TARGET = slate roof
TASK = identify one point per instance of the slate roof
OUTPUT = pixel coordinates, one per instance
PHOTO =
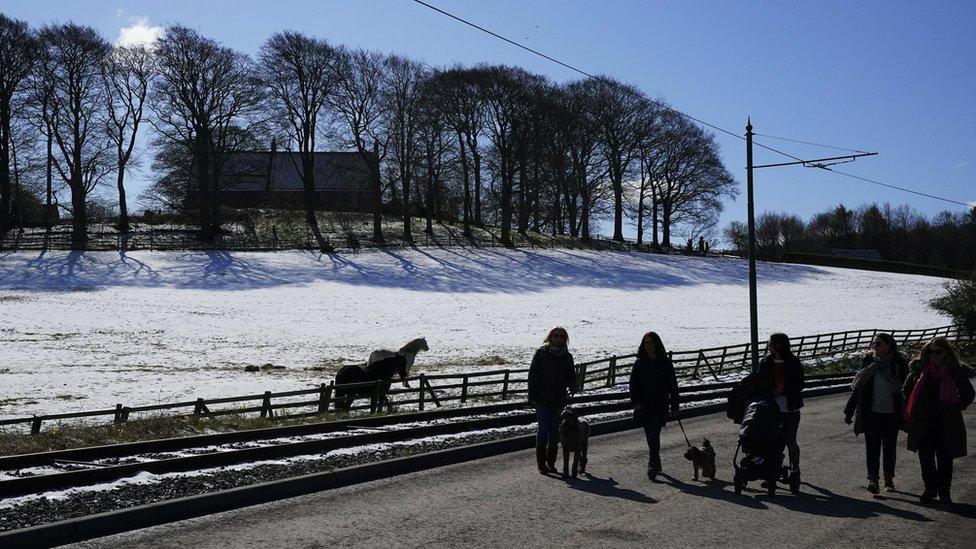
(334, 171)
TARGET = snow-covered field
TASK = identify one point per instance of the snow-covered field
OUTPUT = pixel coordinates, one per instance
(88, 330)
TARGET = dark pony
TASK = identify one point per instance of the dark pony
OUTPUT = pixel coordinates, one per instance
(381, 370)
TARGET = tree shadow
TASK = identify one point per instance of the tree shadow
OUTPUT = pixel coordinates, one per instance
(455, 270)
(715, 489)
(826, 503)
(606, 487)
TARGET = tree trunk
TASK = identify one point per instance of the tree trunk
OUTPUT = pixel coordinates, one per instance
(204, 198)
(654, 221)
(666, 227)
(467, 186)
(405, 181)
(618, 206)
(506, 203)
(640, 218)
(123, 226)
(523, 206)
(5, 141)
(374, 174)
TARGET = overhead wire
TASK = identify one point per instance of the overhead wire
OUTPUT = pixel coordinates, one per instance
(686, 115)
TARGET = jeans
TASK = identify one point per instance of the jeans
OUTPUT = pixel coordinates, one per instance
(880, 436)
(791, 421)
(548, 417)
(934, 457)
(652, 431)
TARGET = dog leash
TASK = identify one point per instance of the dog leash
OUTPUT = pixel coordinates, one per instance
(688, 442)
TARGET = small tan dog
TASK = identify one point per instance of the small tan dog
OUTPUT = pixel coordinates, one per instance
(702, 459)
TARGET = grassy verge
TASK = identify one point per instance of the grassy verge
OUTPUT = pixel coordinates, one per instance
(852, 361)
(63, 436)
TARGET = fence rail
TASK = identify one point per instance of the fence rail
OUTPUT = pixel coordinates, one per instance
(439, 389)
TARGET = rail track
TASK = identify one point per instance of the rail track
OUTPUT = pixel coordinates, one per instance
(66, 469)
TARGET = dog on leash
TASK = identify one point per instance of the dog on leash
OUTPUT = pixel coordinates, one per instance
(702, 458)
(574, 435)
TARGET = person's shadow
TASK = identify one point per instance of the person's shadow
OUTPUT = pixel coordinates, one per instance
(826, 503)
(715, 489)
(606, 487)
(964, 510)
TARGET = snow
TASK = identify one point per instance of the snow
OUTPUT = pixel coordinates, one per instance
(84, 331)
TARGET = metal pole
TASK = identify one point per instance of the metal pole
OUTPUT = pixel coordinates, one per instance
(753, 307)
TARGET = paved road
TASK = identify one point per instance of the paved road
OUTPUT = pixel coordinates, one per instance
(503, 502)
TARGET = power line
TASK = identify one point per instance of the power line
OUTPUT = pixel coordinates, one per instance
(594, 77)
(848, 149)
(686, 115)
(919, 193)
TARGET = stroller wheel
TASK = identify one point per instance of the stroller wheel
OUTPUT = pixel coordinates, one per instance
(771, 489)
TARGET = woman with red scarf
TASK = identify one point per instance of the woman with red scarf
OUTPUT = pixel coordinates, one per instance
(937, 390)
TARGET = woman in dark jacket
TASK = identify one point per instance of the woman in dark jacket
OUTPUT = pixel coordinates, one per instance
(654, 393)
(552, 376)
(936, 392)
(876, 407)
(782, 375)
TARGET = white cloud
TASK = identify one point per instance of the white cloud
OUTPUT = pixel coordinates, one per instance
(961, 165)
(139, 33)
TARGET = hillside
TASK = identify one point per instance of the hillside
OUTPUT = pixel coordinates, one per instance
(87, 330)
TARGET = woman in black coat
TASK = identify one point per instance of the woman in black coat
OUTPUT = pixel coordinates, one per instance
(876, 407)
(936, 392)
(552, 376)
(654, 393)
(782, 374)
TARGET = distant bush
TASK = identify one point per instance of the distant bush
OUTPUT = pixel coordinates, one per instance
(959, 301)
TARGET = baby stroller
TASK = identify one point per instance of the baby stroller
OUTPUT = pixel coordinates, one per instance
(762, 439)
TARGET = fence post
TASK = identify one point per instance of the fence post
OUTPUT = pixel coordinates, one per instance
(118, 413)
(325, 394)
(36, 426)
(505, 386)
(266, 410)
(464, 389)
(582, 378)
(200, 408)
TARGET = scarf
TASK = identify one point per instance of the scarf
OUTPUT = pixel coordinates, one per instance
(877, 367)
(560, 351)
(940, 375)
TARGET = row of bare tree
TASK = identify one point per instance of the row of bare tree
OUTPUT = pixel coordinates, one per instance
(898, 233)
(483, 144)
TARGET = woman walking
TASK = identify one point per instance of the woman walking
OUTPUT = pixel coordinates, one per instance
(653, 391)
(552, 376)
(782, 374)
(876, 407)
(936, 391)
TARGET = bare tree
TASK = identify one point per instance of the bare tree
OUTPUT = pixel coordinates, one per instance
(73, 64)
(621, 112)
(402, 95)
(205, 98)
(301, 73)
(693, 178)
(358, 101)
(127, 73)
(18, 53)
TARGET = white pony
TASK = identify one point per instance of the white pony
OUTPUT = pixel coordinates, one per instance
(408, 351)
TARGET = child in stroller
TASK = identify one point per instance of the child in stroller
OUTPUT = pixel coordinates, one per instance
(762, 438)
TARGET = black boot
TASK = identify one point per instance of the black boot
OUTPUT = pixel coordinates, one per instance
(540, 458)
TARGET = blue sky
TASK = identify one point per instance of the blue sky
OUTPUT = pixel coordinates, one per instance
(893, 77)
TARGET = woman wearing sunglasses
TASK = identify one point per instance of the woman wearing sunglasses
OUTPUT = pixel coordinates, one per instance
(936, 392)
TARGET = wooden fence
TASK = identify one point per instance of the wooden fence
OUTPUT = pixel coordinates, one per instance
(438, 389)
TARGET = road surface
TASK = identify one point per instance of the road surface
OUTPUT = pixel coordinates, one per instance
(503, 502)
